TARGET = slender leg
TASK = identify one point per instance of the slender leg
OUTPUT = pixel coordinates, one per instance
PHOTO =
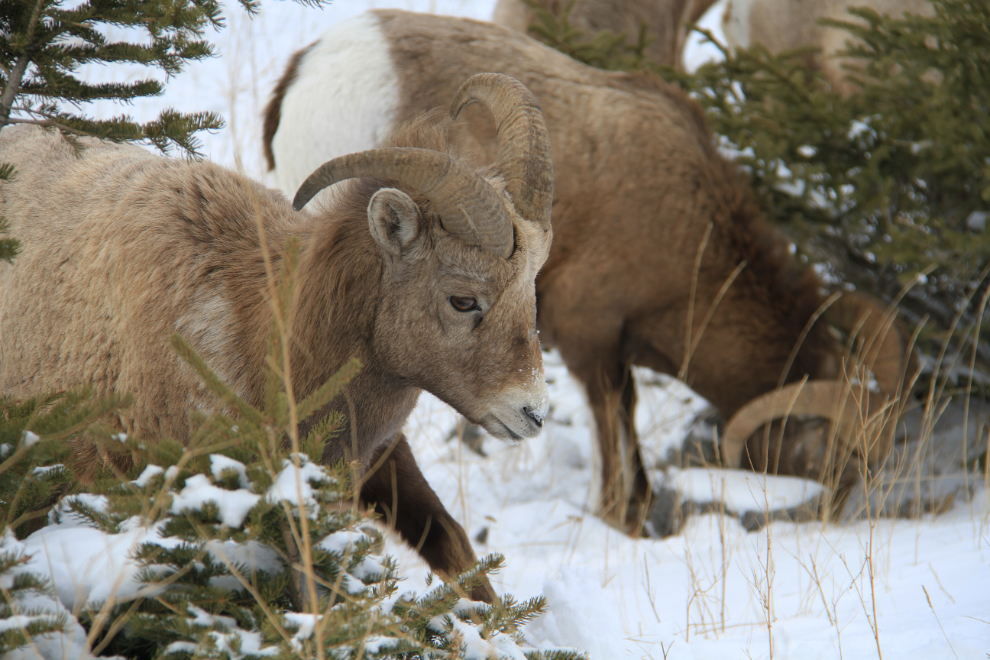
(406, 503)
(625, 489)
(637, 484)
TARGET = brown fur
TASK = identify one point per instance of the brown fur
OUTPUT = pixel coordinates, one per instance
(783, 25)
(665, 20)
(637, 185)
(122, 248)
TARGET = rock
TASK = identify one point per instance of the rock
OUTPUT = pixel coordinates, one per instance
(753, 499)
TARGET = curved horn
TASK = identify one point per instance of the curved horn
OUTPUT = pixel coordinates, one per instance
(468, 206)
(817, 397)
(885, 351)
(858, 418)
(523, 141)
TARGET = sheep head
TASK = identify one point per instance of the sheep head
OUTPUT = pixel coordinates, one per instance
(460, 252)
(863, 404)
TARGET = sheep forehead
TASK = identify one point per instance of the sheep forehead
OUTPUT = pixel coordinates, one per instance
(463, 262)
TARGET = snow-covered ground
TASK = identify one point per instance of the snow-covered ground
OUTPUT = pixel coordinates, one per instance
(713, 591)
(895, 589)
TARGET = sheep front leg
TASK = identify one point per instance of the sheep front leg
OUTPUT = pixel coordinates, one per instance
(626, 492)
(407, 504)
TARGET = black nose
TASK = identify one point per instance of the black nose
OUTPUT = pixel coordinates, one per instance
(535, 416)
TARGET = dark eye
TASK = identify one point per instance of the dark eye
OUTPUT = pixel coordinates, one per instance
(464, 304)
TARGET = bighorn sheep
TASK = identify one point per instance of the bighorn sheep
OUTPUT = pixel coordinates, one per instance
(423, 269)
(665, 20)
(660, 257)
(783, 25)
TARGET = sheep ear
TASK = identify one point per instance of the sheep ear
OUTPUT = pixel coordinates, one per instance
(394, 219)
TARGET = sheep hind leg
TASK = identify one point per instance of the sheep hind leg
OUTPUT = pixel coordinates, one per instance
(638, 490)
(407, 504)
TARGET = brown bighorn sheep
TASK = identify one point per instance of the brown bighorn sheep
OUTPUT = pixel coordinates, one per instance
(423, 269)
(660, 258)
(783, 25)
(665, 20)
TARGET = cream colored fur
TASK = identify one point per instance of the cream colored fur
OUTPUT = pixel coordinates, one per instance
(783, 25)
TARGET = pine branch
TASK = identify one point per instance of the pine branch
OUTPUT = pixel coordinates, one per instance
(43, 47)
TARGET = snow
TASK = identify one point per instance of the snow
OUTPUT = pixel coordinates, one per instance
(741, 491)
(70, 643)
(707, 591)
(220, 464)
(306, 624)
(65, 517)
(147, 474)
(241, 643)
(340, 543)
(808, 591)
(292, 484)
(252, 555)
(378, 644)
(573, 600)
(86, 565)
(44, 470)
(246, 642)
(30, 438)
(233, 505)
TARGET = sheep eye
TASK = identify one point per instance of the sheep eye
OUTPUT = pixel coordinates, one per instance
(464, 304)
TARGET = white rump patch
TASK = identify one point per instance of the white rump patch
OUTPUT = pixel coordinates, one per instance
(343, 100)
(735, 22)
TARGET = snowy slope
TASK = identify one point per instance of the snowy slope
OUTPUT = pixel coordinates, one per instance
(899, 588)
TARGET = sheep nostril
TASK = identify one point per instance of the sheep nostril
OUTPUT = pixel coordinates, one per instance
(535, 416)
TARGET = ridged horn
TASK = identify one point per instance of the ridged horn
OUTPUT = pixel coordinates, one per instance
(884, 351)
(468, 206)
(859, 417)
(816, 397)
(523, 142)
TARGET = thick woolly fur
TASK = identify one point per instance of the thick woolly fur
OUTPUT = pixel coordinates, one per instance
(639, 193)
(783, 25)
(123, 248)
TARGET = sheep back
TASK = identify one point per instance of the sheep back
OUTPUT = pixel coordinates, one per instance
(121, 248)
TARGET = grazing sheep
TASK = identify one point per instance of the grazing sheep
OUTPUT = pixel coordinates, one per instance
(422, 268)
(783, 25)
(661, 257)
(665, 20)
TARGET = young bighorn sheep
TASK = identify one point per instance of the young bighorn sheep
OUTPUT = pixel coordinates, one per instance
(665, 20)
(783, 25)
(423, 269)
(661, 258)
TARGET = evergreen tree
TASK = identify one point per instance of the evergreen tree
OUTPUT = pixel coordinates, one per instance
(42, 47)
(36, 467)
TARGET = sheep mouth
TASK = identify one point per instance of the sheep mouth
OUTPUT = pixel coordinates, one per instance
(504, 431)
(512, 434)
